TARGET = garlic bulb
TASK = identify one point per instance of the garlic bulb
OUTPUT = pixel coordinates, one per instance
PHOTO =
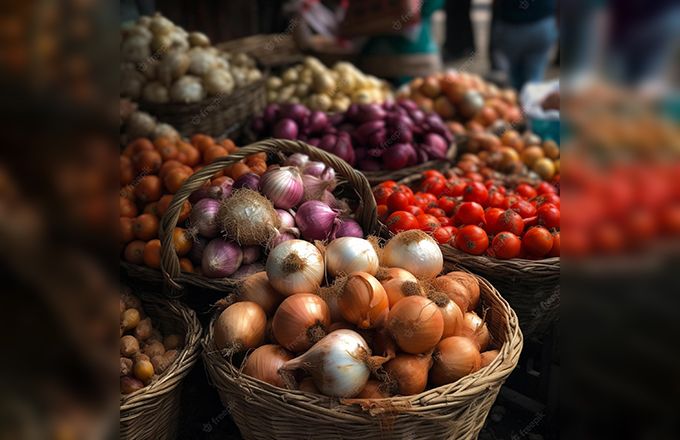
(187, 89)
(200, 61)
(135, 49)
(174, 65)
(160, 25)
(131, 81)
(155, 92)
(140, 31)
(166, 131)
(198, 39)
(179, 40)
(140, 124)
(218, 82)
(160, 44)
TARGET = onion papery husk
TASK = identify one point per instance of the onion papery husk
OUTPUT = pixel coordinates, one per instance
(248, 218)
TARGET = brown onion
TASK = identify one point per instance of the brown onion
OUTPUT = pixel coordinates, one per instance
(301, 321)
(407, 373)
(363, 301)
(455, 357)
(398, 284)
(488, 357)
(264, 364)
(256, 288)
(240, 326)
(453, 317)
(383, 344)
(416, 324)
(374, 390)
(470, 288)
(475, 328)
(307, 385)
(340, 325)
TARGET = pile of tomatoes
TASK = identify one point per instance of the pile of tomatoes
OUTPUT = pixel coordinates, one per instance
(475, 216)
(151, 172)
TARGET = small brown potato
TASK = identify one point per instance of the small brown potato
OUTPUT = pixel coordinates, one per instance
(172, 342)
(143, 329)
(130, 385)
(129, 345)
(141, 357)
(125, 366)
(130, 319)
(143, 370)
(156, 334)
(154, 348)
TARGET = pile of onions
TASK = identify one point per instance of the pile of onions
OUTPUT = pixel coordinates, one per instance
(416, 252)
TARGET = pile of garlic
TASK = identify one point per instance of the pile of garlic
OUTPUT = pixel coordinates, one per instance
(136, 124)
(313, 84)
(161, 63)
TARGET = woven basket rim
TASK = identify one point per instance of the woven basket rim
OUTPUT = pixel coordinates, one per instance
(433, 399)
(173, 376)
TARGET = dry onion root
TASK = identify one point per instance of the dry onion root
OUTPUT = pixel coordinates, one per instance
(248, 218)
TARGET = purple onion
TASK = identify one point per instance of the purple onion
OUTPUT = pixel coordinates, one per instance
(400, 156)
(221, 258)
(258, 125)
(315, 220)
(203, 217)
(417, 115)
(200, 193)
(343, 148)
(348, 227)
(370, 112)
(197, 248)
(408, 105)
(314, 142)
(318, 121)
(251, 254)
(366, 129)
(422, 154)
(314, 187)
(369, 164)
(435, 145)
(283, 186)
(287, 219)
(271, 113)
(297, 160)
(297, 112)
(280, 238)
(328, 142)
(221, 191)
(248, 180)
(336, 119)
(286, 129)
(352, 112)
(248, 269)
(360, 153)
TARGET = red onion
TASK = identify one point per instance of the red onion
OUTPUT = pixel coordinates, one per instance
(328, 142)
(248, 269)
(197, 248)
(200, 193)
(271, 113)
(221, 258)
(317, 122)
(314, 187)
(251, 254)
(315, 220)
(281, 237)
(348, 227)
(204, 217)
(297, 160)
(286, 129)
(435, 146)
(221, 191)
(287, 219)
(297, 112)
(370, 112)
(248, 180)
(343, 148)
(314, 168)
(369, 164)
(283, 186)
(400, 156)
(314, 142)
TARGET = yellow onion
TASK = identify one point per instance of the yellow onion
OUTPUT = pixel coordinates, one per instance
(398, 284)
(416, 252)
(455, 357)
(407, 373)
(240, 326)
(453, 317)
(466, 286)
(363, 301)
(345, 255)
(300, 321)
(416, 324)
(488, 357)
(295, 266)
(307, 385)
(374, 390)
(475, 328)
(256, 288)
(264, 364)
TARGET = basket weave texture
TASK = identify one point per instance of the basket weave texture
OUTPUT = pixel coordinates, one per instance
(453, 411)
(216, 115)
(152, 412)
(365, 214)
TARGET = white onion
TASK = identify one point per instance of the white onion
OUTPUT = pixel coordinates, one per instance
(295, 266)
(351, 254)
(416, 252)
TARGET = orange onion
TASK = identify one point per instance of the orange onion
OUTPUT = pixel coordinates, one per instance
(256, 288)
(407, 373)
(330, 295)
(455, 357)
(300, 321)
(264, 364)
(240, 326)
(307, 385)
(398, 284)
(466, 286)
(416, 324)
(340, 325)
(453, 317)
(383, 344)
(475, 328)
(374, 390)
(488, 357)
(363, 301)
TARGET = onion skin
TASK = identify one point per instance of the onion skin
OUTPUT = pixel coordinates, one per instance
(374, 390)
(283, 186)
(248, 218)
(256, 288)
(351, 254)
(471, 284)
(348, 227)
(295, 266)
(487, 357)
(264, 364)
(240, 326)
(416, 252)
(363, 301)
(408, 373)
(315, 219)
(474, 328)
(221, 258)
(301, 321)
(453, 317)
(204, 217)
(416, 324)
(454, 358)
(399, 284)
(307, 385)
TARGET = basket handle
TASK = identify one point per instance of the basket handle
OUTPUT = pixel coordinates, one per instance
(365, 214)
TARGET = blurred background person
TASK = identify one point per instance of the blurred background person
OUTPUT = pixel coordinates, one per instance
(522, 36)
(460, 41)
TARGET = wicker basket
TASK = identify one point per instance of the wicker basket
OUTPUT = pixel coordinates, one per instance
(365, 213)
(532, 287)
(215, 116)
(152, 412)
(454, 411)
(269, 50)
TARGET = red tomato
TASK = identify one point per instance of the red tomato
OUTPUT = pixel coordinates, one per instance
(437, 212)
(415, 210)
(505, 245)
(455, 189)
(452, 230)
(524, 208)
(408, 191)
(389, 184)
(641, 225)
(609, 238)
(433, 185)
(555, 250)
(496, 199)
(475, 177)
(432, 173)
(670, 219)
(469, 213)
(491, 216)
(445, 221)
(508, 221)
(401, 221)
(525, 190)
(442, 235)
(381, 195)
(398, 201)
(472, 239)
(537, 242)
(382, 212)
(545, 188)
(447, 203)
(424, 199)
(547, 198)
(476, 192)
(427, 222)
(548, 216)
